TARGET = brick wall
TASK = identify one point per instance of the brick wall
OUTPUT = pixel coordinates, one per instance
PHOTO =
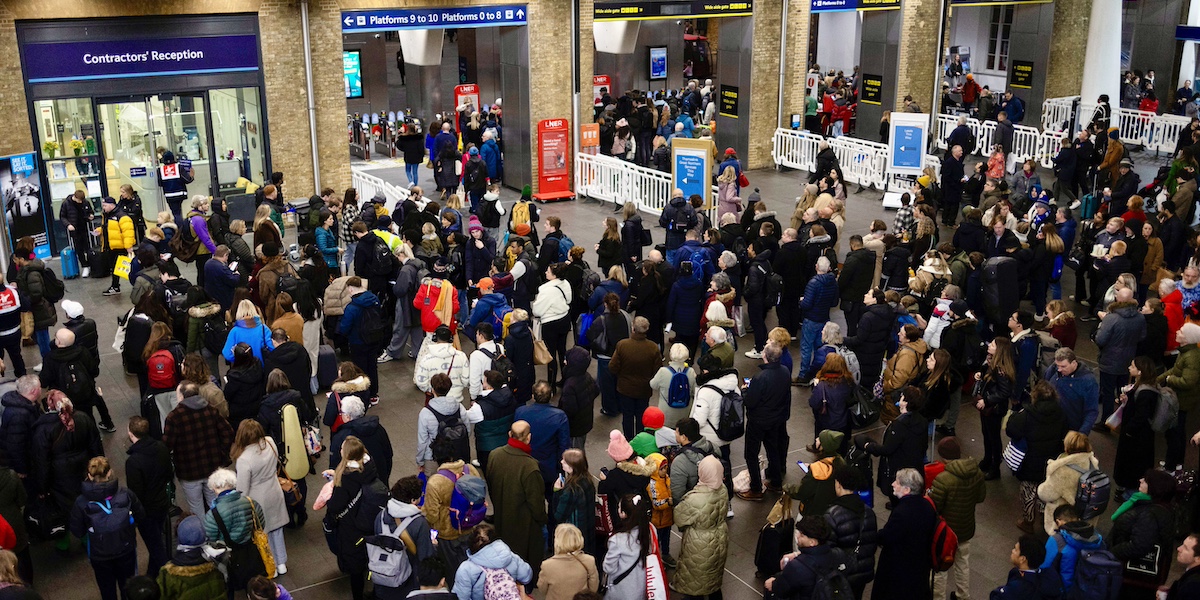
(918, 61)
(1064, 76)
(12, 90)
(764, 97)
(550, 82)
(799, 16)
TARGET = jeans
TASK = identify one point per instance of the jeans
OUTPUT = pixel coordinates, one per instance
(608, 387)
(411, 171)
(1177, 440)
(363, 356)
(774, 438)
(1056, 289)
(197, 495)
(810, 340)
(756, 311)
(43, 340)
(962, 574)
(155, 535)
(475, 197)
(631, 414)
(112, 574)
(11, 345)
(1109, 385)
(278, 549)
(176, 205)
(348, 257)
(952, 411)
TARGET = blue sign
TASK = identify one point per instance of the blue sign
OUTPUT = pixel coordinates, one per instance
(691, 176)
(137, 171)
(908, 147)
(819, 6)
(1187, 33)
(352, 73)
(504, 15)
(79, 61)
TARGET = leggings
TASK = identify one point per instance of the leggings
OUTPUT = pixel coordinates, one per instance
(555, 334)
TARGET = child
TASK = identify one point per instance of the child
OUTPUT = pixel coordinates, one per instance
(1071, 537)
(166, 222)
(489, 219)
(996, 163)
(662, 515)
(430, 576)
(429, 239)
(654, 437)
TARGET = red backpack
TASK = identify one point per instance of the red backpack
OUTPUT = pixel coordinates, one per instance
(945, 542)
(160, 370)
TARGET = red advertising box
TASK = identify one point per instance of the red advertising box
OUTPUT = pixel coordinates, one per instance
(467, 93)
(554, 160)
(599, 82)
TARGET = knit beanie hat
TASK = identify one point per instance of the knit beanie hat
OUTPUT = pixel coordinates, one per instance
(619, 449)
(473, 224)
(653, 418)
(949, 449)
(191, 532)
(1190, 332)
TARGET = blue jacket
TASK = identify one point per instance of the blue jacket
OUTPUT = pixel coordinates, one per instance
(1027, 351)
(482, 313)
(596, 301)
(1029, 585)
(219, 282)
(820, 295)
(491, 155)
(1015, 109)
(348, 326)
(689, 126)
(1069, 542)
(551, 436)
(256, 337)
(768, 398)
(1066, 231)
(328, 245)
(469, 579)
(1078, 395)
(685, 305)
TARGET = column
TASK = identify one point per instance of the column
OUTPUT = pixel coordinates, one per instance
(12, 98)
(1102, 60)
(763, 95)
(798, 18)
(1071, 19)
(587, 55)
(551, 37)
(425, 94)
(919, 61)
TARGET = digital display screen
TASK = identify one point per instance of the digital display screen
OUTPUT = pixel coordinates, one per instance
(352, 73)
(658, 63)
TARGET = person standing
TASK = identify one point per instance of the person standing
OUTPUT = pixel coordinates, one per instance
(815, 558)
(114, 554)
(31, 282)
(904, 559)
(76, 215)
(1039, 428)
(173, 180)
(149, 472)
(855, 281)
(1122, 326)
(955, 493)
(518, 496)
(853, 529)
(550, 433)
(701, 517)
(953, 179)
(1184, 378)
(352, 326)
(768, 402)
(1026, 579)
(22, 407)
(820, 296)
(199, 439)
(759, 300)
(256, 458)
(1078, 392)
(634, 363)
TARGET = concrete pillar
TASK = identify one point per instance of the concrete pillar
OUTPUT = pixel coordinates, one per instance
(1102, 60)
(550, 35)
(587, 44)
(919, 61)
(1071, 25)
(798, 20)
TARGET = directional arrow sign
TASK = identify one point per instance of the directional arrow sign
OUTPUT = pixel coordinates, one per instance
(347, 21)
(433, 18)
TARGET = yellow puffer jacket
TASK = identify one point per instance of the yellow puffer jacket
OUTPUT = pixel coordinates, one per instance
(663, 514)
(118, 231)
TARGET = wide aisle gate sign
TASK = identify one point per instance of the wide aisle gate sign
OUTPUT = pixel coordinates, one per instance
(691, 162)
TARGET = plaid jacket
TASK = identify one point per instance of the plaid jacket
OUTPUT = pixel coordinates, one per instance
(199, 440)
(346, 221)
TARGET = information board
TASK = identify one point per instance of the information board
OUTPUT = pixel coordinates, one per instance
(820, 6)
(456, 17)
(906, 144)
(1020, 74)
(554, 160)
(636, 10)
(24, 209)
(872, 89)
(599, 83)
(352, 73)
(658, 62)
(691, 166)
(467, 94)
(729, 101)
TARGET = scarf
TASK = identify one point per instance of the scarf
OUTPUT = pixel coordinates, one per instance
(519, 445)
(710, 473)
(59, 403)
(1134, 499)
(512, 257)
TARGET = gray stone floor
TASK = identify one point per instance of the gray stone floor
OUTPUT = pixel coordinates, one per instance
(312, 571)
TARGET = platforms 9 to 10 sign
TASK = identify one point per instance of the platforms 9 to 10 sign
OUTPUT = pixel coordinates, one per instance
(434, 18)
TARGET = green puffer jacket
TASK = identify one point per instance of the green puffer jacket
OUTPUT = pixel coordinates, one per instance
(701, 518)
(191, 582)
(955, 493)
(239, 515)
(1184, 377)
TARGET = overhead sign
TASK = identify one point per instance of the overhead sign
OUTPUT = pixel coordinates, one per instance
(504, 15)
(1188, 33)
(819, 6)
(137, 171)
(149, 57)
(670, 9)
(906, 143)
(554, 160)
(729, 102)
(995, 2)
(691, 167)
(872, 89)
(1020, 74)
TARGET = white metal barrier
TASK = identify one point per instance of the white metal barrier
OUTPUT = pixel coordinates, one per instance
(1166, 132)
(795, 149)
(862, 162)
(613, 180)
(369, 185)
(1058, 112)
(1136, 126)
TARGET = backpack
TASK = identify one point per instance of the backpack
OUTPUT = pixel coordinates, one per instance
(502, 364)
(110, 532)
(184, 245)
(53, 289)
(372, 500)
(475, 175)
(851, 360)
(591, 281)
(1047, 346)
(702, 266)
(176, 301)
(774, 288)
(488, 212)
(286, 282)
(501, 319)
(945, 542)
(520, 214)
(161, 371)
(1166, 410)
(1095, 488)
(831, 585)
(731, 420)
(384, 261)
(498, 584)
(1098, 575)
(387, 556)
(971, 143)
(214, 331)
(465, 512)
(452, 434)
(75, 381)
(974, 350)
(564, 248)
(679, 393)
(374, 328)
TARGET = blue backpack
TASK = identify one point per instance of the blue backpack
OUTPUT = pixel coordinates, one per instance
(467, 506)
(499, 316)
(679, 393)
(702, 266)
(564, 248)
(110, 532)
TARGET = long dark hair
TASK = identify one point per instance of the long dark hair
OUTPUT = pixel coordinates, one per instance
(636, 511)
(1148, 371)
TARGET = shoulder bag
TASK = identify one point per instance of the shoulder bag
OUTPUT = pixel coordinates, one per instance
(243, 561)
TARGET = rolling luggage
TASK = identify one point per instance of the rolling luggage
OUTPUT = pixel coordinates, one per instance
(327, 367)
(70, 260)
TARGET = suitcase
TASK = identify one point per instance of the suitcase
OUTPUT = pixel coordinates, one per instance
(1090, 204)
(327, 367)
(99, 270)
(70, 260)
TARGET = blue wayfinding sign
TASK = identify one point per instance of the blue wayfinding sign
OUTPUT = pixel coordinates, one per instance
(434, 18)
(80, 61)
(908, 147)
(690, 174)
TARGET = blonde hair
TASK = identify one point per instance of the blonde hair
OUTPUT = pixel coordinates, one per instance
(155, 232)
(8, 568)
(453, 201)
(780, 336)
(198, 201)
(567, 539)
(99, 470)
(237, 227)
(1118, 248)
(617, 274)
(165, 217)
(246, 310)
(427, 229)
(520, 314)
(262, 214)
(1076, 442)
(352, 451)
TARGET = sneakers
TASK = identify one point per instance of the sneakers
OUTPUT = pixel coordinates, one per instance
(1085, 303)
(1076, 204)
(755, 354)
(1088, 318)
(384, 357)
(374, 400)
(112, 291)
(281, 568)
(107, 427)
(87, 271)
(669, 561)
(750, 496)
(37, 368)
(729, 515)
(1039, 318)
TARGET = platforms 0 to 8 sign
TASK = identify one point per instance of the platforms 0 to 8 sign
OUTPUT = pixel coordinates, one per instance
(506, 15)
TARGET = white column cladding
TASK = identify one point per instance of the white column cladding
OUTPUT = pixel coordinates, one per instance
(616, 37)
(422, 47)
(840, 34)
(1102, 62)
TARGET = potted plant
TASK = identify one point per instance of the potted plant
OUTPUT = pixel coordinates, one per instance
(76, 146)
(50, 147)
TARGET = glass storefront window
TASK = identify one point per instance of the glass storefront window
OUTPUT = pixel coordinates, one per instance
(238, 136)
(67, 142)
(129, 153)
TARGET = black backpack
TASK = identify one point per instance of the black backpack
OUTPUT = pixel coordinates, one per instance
(475, 175)
(53, 289)
(453, 437)
(372, 499)
(502, 364)
(830, 585)
(384, 262)
(286, 282)
(731, 422)
(374, 328)
(489, 214)
(969, 146)
(75, 381)
(215, 331)
(110, 530)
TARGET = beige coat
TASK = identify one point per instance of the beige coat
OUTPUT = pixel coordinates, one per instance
(874, 245)
(1062, 482)
(564, 575)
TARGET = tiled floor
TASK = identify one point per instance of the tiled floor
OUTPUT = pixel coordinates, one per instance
(312, 571)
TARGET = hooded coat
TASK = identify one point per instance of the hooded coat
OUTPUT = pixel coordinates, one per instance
(469, 580)
(199, 438)
(103, 492)
(191, 576)
(1041, 426)
(816, 491)
(519, 502)
(853, 529)
(32, 283)
(701, 517)
(955, 492)
(244, 390)
(374, 438)
(16, 430)
(346, 533)
(870, 343)
(60, 457)
(292, 358)
(904, 558)
(903, 447)
(579, 392)
(1074, 537)
(1078, 395)
(1118, 336)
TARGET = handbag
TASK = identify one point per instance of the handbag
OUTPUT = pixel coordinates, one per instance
(1114, 420)
(743, 181)
(541, 354)
(259, 537)
(291, 491)
(312, 438)
(604, 521)
(864, 410)
(121, 269)
(243, 561)
(1014, 454)
(1077, 258)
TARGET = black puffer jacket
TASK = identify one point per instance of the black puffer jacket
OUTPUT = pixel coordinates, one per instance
(244, 390)
(60, 457)
(1138, 529)
(16, 429)
(903, 447)
(895, 268)
(351, 553)
(853, 529)
(148, 470)
(631, 238)
(579, 392)
(374, 438)
(292, 358)
(519, 347)
(1042, 426)
(870, 343)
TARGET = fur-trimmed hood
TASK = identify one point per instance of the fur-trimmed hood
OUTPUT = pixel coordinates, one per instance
(201, 311)
(766, 214)
(189, 570)
(639, 468)
(358, 384)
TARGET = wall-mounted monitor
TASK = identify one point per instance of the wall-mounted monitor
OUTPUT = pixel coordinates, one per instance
(352, 73)
(658, 62)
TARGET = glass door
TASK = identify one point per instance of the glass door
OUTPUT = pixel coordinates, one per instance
(179, 123)
(129, 151)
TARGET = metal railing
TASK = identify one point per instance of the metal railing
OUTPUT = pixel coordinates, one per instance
(1058, 112)
(369, 185)
(611, 179)
(1140, 128)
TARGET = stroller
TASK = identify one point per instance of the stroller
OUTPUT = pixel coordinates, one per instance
(1151, 191)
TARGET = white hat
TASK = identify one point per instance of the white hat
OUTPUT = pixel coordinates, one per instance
(72, 308)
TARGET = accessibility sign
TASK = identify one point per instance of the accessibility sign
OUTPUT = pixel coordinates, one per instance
(392, 19)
